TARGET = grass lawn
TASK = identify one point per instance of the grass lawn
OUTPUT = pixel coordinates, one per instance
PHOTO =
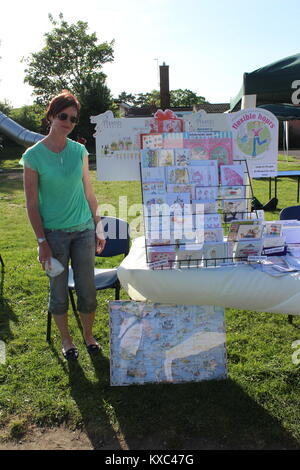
(257, 407)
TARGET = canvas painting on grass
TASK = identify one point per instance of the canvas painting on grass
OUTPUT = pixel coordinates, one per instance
(156, 343)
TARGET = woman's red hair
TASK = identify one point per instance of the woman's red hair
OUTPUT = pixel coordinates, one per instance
(60, 102)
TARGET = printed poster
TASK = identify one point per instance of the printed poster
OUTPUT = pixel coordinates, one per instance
(155, 343)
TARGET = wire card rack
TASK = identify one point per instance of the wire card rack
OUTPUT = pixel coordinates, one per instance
(189, 209)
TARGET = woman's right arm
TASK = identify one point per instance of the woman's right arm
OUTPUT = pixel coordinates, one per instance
(31, 193)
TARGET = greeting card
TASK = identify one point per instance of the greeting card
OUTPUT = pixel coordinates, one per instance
(155, 204)
(182, 157)
(182, 188)
(273, 229)
(210, 221)
(173, 140)
(149, 158)
(166, 157)
(153, 174)
(177, 175)
(207, 207)
(161, 257)
(232, 192)
(246, 231)
(248, 248)
(214, 253)
(213, 235)
(221, 150)
(179, 203)
(234, 228)
(233, 209)
(232, 175)
(206, 193)
(198, 144)
(154, 187)
(151, 141)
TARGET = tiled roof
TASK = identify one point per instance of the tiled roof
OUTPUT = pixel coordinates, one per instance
(149, 111)
(213, 107)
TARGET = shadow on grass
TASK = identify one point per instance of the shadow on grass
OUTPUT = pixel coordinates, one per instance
(7, 315)
(206, 415)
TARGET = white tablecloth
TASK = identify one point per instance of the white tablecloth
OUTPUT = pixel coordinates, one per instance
(239, 287)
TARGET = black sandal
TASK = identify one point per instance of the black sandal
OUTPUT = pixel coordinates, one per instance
(71, 353)
(93, 349)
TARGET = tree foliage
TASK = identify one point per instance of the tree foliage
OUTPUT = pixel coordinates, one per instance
(70, 58)
(178, 98)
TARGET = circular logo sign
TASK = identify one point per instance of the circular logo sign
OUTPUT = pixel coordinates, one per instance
(253, 138)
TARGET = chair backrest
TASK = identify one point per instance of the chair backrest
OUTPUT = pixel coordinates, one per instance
(291, 212)
(117, 237)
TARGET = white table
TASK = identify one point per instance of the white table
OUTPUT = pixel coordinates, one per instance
(239, 287)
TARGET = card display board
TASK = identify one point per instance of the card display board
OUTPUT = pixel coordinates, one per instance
(254, 135)
(156, 343)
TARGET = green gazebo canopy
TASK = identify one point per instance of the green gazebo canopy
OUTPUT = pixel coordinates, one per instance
(271, 84)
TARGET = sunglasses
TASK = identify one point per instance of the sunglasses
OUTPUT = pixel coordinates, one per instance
(65, 116)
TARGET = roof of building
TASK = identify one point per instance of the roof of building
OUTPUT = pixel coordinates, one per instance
(151, 110)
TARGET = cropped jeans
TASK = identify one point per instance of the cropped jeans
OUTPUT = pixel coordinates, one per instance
(79, 247)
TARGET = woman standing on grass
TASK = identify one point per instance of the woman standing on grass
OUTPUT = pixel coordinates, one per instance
(62, 209)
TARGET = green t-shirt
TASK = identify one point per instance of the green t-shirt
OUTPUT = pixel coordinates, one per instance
(62, 201)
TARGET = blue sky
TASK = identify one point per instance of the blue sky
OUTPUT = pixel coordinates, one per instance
(207, 45)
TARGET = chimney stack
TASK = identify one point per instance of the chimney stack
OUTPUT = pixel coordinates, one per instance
(164, 86)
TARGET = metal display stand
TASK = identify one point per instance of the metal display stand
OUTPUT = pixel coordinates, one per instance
(206, 262)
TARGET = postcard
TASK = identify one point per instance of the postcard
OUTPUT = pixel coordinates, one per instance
(151, 141)
(206, 193)
(177, 175)
(154, 187)
(153, 174)
(244, 249)
(166, 157)
(232, 192)
(182, 188)
(182, 157)
(249, 231)
(232, 175)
